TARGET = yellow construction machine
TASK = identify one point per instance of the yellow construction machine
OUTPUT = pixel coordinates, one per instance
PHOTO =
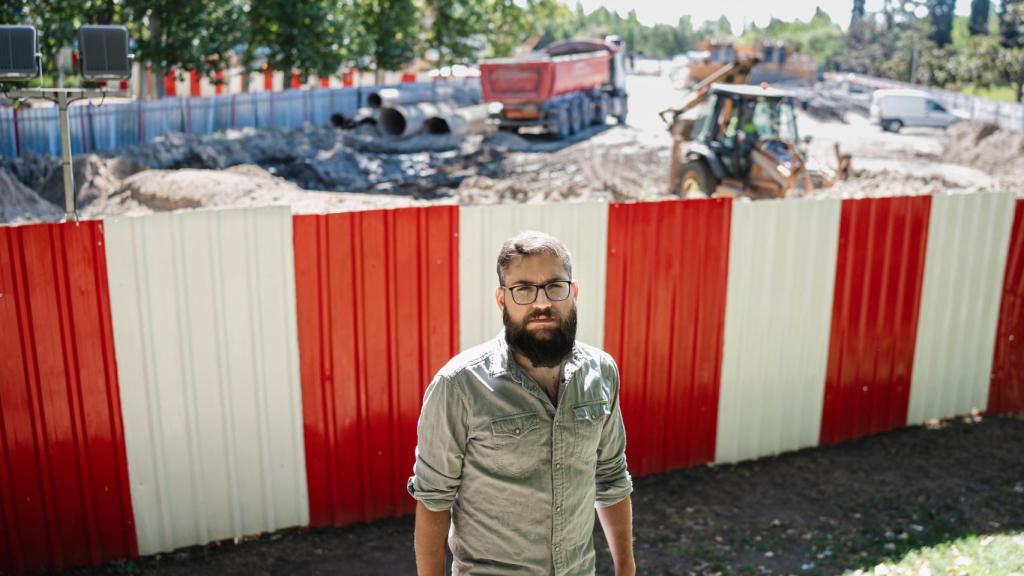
(743, 143)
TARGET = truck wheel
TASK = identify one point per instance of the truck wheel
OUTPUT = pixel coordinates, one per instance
(562, 130)
(698, 182)
(892, 126)
(578, 118)
(621, 117)
(600, 111)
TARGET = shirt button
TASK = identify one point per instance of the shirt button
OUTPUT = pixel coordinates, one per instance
(557, 547)
(558, 508)
(517, 430)
(558, 465)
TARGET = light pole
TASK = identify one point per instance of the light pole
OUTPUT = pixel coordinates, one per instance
(104, 56)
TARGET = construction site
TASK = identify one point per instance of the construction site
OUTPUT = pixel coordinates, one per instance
(327, 168)
(222, 314)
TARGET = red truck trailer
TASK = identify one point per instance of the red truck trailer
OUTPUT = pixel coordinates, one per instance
(563, 88)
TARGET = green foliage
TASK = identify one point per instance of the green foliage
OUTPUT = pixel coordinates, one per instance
(456, 30)
(184, 34)
(941, 12)
(979, 17)
(389, 30)
(304, 36)
(818, 37)
(1011, 22)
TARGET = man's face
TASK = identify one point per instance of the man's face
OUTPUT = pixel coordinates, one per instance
(544, 331)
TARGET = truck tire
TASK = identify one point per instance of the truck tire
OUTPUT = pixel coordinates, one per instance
(562, 124)
(893, 126)
(600, 111)
(620, 118)
(578, 119)
(697, 180)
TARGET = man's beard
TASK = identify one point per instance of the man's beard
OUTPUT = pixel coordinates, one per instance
(547, 352)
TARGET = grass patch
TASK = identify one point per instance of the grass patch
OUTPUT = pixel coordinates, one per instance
(1003, 92)
(977, 555)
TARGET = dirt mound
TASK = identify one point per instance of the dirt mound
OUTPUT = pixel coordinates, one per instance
(987, 147)
(240, 186)
(20, 204)
(95, 179)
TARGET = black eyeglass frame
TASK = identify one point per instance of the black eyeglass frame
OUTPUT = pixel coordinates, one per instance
(536, 291)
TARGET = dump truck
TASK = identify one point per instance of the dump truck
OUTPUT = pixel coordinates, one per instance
(562, 88)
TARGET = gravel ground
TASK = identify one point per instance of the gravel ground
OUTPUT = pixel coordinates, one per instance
(817, 511)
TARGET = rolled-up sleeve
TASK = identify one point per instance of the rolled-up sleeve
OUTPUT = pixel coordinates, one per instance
(613, 480)
(441, 446)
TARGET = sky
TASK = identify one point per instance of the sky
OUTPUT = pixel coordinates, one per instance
(738, 12)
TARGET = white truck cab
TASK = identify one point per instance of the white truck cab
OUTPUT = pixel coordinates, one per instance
(897, 109)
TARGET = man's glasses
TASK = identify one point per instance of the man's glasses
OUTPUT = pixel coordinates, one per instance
(524, 294)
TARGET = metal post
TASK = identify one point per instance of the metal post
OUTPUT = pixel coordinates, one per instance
(65, 154)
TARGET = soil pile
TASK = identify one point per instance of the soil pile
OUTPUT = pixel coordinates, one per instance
(20, 204)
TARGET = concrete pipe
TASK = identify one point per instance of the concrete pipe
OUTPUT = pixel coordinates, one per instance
(465, 120)
(405, 120)
(391, 97)
(350, 121)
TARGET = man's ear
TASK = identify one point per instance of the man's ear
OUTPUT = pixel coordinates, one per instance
(575, 290)
(499, 297)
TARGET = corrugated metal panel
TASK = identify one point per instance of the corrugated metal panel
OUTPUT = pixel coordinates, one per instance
(968, 236)
(377, 318)
(667, 267)
(782, 266)
(205, 329)
(64, 497)
(1007, 388)
(582, 226)
(874, 318)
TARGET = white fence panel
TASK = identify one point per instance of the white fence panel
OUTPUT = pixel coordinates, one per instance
(204, 322)
(782, 266)
(968, 238)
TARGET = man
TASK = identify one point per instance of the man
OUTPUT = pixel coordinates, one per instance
(521, 437)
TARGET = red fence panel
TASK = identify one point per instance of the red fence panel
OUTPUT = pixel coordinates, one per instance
(64, 490)
(1006, 393)
(378, 316)
(879, 274)
(668, 264)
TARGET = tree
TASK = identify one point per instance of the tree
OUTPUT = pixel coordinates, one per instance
(389, 31)
(456, 29)
(979, 17)
(1010, 18)
(303, 36)
(942, 12)
(184, 34)
(857, 14)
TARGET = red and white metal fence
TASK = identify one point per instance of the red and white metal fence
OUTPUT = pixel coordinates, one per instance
(175, 379)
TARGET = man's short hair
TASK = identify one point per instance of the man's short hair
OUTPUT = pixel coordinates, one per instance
(531, 243)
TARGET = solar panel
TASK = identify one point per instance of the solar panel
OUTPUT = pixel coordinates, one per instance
(104, 52)
(18, 53)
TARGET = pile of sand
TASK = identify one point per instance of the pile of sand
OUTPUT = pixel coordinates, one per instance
(240, 186)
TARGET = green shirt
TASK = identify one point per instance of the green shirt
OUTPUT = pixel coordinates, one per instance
(520, 475)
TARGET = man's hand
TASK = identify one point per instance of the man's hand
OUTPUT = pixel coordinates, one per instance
(431, 531)
(617, 523)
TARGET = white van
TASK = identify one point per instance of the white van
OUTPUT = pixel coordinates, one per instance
(896, 109)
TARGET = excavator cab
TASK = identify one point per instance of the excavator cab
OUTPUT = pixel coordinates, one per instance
(746, 143)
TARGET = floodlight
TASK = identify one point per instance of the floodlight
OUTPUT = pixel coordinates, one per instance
(104, 52)
(19, 53)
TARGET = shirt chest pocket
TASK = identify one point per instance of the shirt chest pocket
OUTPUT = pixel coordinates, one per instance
(517, 443)
(589, 418)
